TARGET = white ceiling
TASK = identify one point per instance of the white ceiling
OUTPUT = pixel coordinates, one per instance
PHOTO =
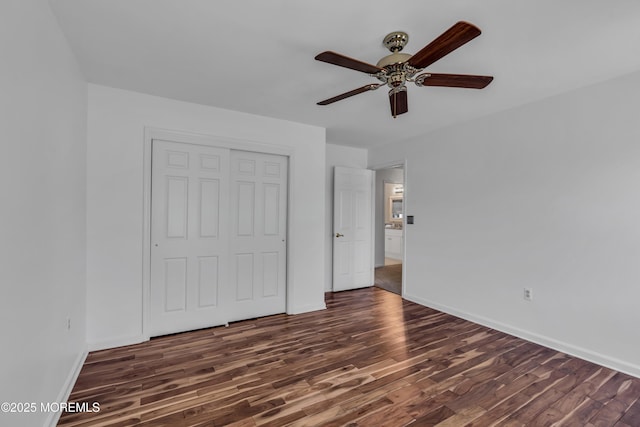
(256, 56)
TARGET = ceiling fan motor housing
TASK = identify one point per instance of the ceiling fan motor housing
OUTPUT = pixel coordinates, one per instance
(395, 64)
(394, 58)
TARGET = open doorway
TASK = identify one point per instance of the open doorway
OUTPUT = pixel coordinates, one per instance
(389, 251)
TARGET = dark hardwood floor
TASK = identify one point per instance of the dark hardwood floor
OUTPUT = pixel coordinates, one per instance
(370, 359)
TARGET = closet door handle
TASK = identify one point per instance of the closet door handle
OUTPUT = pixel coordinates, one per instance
(339, 235)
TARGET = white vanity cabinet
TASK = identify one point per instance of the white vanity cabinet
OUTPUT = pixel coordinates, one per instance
(393, 243)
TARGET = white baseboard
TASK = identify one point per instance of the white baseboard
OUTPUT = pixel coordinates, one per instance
(580, 352)
(116, 342)
(65, 392)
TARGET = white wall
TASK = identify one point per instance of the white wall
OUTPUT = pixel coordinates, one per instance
(117, 121)
(43, 113)
(396, 176)
(336, 155)
(545, 196)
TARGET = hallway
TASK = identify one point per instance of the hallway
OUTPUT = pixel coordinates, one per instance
(389, 278)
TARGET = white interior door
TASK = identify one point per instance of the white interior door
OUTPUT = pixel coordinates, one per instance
(189, 248)
(352, 228)
(258, 227)
(218, 236)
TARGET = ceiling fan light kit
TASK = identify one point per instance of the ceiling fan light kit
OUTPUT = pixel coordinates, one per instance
(398, 68)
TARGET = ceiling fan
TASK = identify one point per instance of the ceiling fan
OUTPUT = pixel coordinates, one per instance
(397, 69)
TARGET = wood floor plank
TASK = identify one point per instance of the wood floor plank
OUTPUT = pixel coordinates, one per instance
(370, 359)
(632, 415)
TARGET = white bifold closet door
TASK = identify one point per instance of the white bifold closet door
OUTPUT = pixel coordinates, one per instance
(218, 237)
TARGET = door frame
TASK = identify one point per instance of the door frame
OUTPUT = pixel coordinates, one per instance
(152, 133)
(388, 165)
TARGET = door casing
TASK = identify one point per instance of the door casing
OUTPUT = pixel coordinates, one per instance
(379, 234)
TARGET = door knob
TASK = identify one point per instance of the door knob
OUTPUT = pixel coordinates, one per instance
(339, 235)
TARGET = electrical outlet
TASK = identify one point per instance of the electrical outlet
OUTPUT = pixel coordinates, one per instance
(528, 294)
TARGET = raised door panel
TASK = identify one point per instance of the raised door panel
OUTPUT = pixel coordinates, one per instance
(270, 273)
(244, 277)
(272, 203)
(208, 281)
(345, 211)
(209, 209)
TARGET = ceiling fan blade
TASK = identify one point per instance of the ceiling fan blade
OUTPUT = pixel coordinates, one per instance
(459, 34)
(453, 80)
(344, 61)
(350, 93)
(398, 101)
